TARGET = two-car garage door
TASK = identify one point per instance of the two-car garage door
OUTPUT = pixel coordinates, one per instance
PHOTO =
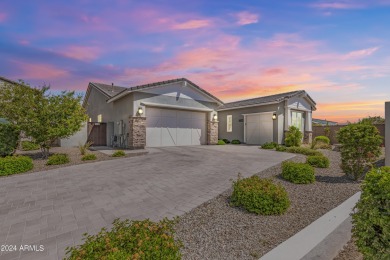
(171, 127)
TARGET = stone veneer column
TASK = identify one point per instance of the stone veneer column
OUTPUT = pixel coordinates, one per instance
(212, 132)
(137, 132)
(308, 137)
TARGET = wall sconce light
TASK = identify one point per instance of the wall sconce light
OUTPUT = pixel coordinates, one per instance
(215, 117)
(274, 116)
(140, 111)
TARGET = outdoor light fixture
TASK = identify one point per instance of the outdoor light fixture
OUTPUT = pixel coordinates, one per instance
(274, 116)
(215, 117)
(140, 111)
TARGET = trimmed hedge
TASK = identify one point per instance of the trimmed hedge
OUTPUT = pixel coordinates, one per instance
(226, 141)
(236, 141)
(221, 142)
(298, 173)
(119, 153)
(9, 136)
(260, 196)
(371, 220)
(270, 145)
(88, 157)
(29, 146)
(15, 164)
(322, 138)
(130, 240)
(303, 150)
(318, 161)
(57, 159)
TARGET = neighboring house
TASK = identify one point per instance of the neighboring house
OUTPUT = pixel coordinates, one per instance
(323, 122)
(178, 112)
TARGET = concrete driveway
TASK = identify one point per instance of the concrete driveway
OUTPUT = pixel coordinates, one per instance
(54, 208)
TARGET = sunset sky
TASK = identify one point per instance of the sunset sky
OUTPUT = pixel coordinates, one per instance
(338, 51)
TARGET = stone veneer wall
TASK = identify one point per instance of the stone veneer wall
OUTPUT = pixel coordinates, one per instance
(212, 132)
(137, 132)
(308, 137)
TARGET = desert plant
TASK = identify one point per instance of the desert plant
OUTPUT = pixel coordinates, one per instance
(119, 153)
(88, 157)
(226, 141)
(29, 146)
(270, 145)
(303, 150)
(371, 220)
(260, 196)
(9, 136)
(360, 147)
(293, 137)
(221, 142)
(235, 141)
(322, 139)
(318, 161)
(84, 147)
(281, 148)
(130, 240)
(298, 173)
(56, 159)
(327, 130)
(15, 164)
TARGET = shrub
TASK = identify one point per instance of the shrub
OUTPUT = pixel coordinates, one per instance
(281, 148)
(270, 145)
(235, 141)
(130, 240)
(9, 135)
(360, 147)
(29, 146)
(221, 142)
(318, 161)
(118, 153)
(293, 137)
(15, 164)
(57, 159)
(322, 139)
(226, 141)
(298, 173)
(260, 196)
(89, 157)
(321, 142)
(371, 220)
(84, 147)
(303, 150)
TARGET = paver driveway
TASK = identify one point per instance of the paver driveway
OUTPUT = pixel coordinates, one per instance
(54, 208)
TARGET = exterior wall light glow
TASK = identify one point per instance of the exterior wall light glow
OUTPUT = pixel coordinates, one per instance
(274, 116)
(140, 111)
(215, 117)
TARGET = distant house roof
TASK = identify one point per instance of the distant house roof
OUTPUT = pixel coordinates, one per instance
(323, 122)
(260, 101)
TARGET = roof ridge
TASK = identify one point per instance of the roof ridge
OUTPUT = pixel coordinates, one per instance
(284, 93)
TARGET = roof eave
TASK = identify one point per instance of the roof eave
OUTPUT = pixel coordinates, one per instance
(254, 105)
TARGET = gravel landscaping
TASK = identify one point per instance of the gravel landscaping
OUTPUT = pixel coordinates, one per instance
(215, 230)
(349, 252)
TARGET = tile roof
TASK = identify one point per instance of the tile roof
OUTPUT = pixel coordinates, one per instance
(109, 90)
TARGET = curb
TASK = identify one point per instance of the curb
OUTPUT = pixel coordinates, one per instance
(321, 239)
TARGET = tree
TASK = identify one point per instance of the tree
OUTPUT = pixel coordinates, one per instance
(373, 120)
(41, 115)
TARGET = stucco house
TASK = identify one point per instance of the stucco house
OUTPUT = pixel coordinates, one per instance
(178, 112)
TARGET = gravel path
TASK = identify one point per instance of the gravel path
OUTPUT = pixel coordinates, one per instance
(215, 230)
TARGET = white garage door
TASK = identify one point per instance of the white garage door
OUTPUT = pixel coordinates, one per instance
(259, 128)
(170, 127)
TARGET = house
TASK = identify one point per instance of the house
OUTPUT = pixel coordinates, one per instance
(323, 122)
(178, 112)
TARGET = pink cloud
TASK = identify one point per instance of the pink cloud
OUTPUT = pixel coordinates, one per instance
(40, 71)
(337, 5)
(245, 17)
(3, 17)
(360, 53)
(191, 24)
(86, 53)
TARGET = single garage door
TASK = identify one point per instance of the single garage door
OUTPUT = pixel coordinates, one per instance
(259, 128)
(171, 127)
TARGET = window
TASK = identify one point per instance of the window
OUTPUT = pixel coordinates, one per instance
(229, 123)
(99, 118)
(297, 119)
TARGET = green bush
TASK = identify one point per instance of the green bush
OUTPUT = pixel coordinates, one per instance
(360, 147)
(226, 141)
(221, 142)
(88, 157)
(318, 161)
(270, 145)
(303, 150)
(235, 141)
(371, 220)
(15, 164)
(57, 159)
(29, 146)
(130, 240)
(281, 148)
(293, 137)
(260, 196)
(9, 136)
(298, 173)
(322, 139)
(119, 153)
(321, 142)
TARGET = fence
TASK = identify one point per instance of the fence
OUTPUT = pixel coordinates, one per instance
(320, 130)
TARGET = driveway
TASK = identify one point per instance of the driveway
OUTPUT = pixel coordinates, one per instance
(54, 208)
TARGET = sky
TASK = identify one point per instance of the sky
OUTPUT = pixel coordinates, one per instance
(338, 51)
